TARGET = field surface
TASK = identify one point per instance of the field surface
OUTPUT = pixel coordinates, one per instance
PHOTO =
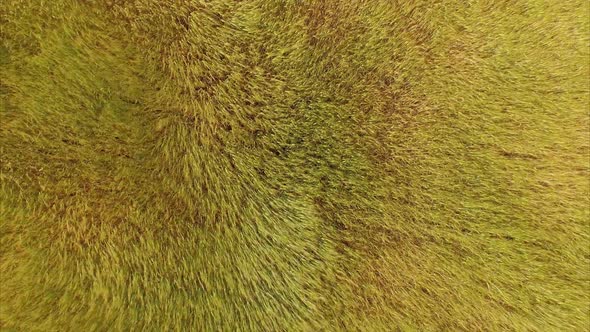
(265, 165)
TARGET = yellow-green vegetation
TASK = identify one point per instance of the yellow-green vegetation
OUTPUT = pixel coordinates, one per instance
(265, 165)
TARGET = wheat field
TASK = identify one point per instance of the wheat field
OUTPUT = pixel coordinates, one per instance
(265, 165)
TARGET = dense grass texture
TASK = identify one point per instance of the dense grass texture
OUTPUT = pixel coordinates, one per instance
(265, 165)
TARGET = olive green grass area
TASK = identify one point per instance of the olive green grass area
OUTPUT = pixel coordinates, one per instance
(265, 165)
